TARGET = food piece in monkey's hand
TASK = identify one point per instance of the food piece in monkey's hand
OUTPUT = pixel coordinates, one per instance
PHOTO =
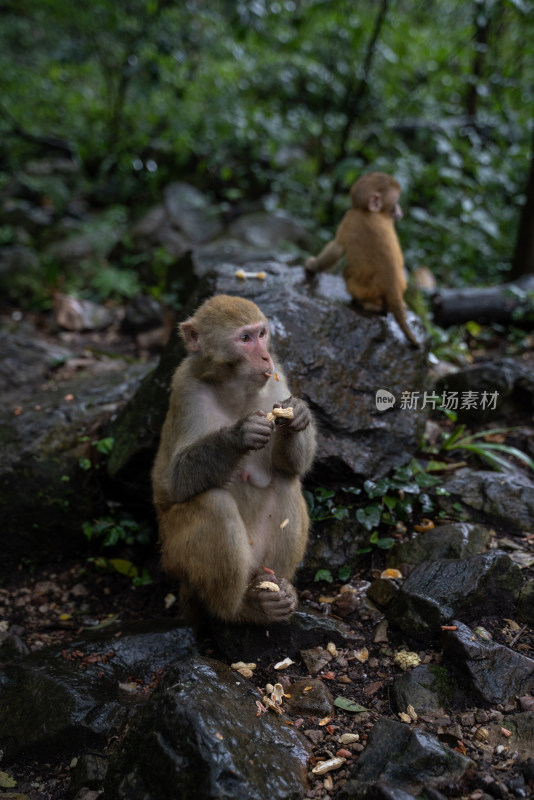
(272, 587)
(282, 413)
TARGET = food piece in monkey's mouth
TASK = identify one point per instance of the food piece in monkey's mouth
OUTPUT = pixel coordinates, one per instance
(272, 587)
(284, 413)
(272, 375)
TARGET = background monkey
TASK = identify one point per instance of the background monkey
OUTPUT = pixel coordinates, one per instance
(226, 481)
(374, 272)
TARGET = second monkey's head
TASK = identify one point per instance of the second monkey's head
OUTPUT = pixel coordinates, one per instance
(377, 192)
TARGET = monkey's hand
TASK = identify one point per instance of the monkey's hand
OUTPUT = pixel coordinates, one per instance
(311, 264)
(254, 431)
(301, 415)
(266, 605)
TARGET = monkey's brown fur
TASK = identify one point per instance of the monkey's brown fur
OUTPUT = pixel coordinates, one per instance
(374, 270)
(225, 479)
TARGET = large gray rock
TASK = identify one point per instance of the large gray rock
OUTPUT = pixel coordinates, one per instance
(44, 495)
(437, 591)
(335, 357)
(199, 736)
(508, 498)
(455, 540)
(404, 757)
(496, 673)
(513, 382)
(428, 688)
(67, 698)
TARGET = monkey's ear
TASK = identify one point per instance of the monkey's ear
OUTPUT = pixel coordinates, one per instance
(375, 202)
(189, 334)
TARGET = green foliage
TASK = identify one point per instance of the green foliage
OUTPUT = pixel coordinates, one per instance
(343, 574)
(389, 502)
(110, 532)
(492, 452)
(288, 99)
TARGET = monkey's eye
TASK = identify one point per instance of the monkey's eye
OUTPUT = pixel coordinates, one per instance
(263, 333)
(245, 337)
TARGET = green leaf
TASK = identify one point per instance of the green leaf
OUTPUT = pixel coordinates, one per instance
(323, 575)
(386, 543)
(349, 705)
(6, 781)
(124, 567)
(344, 572)
(105, 446)
(369, 516)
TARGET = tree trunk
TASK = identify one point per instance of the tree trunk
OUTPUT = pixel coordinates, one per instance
(523, 258)
(509, 302)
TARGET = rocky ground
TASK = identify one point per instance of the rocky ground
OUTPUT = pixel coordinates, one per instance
(54, 604)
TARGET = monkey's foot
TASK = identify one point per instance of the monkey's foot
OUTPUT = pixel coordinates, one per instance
(271, 599)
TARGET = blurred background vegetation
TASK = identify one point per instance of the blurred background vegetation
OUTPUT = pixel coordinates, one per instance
(287, 101)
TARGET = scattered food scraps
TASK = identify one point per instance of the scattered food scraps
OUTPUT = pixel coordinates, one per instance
(391, 574)
(407, 660)
(424, 526)
(244, 669)
(327, 766)
(284, 664)
(242, 274)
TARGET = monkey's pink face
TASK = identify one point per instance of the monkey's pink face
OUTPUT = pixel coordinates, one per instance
(252, 344)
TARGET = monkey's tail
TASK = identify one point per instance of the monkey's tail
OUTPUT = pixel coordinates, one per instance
(396, 306)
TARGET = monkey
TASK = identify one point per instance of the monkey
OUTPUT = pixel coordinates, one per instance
(233, 521)
(374, 270)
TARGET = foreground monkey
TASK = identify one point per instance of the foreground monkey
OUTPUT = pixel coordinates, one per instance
(374, 272)
(226, 479)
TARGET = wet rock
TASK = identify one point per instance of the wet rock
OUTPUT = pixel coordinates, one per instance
(199, 736)
(56, 700)
(525, 604)
(382, 592)
(41, 447)
(227, 250)
(496, 673)
(335, 357)
(404, 757)
(142, 313)
(437, 591)
(508, 498)
(80, 315)
(315, 659)
(89, 772)
(270, 230)
(457, 540)
(190, 211)
(269, 645)
(512, 381)
(25, 361)
(428, 688)
(309, 698)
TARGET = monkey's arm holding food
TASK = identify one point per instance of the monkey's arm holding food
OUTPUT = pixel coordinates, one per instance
(294, 442)
(192, 467)
(328, 257)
